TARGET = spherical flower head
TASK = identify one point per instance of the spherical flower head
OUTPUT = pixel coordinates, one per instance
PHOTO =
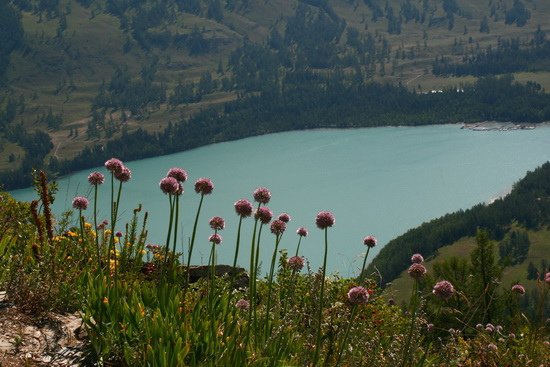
(490, 328)
(369, 241)
(417, 271)
(492, 347)
(180, 189)
(324, 220)
(178, 173)
(204, 186)
(302, 232)
(278, 227)
(263, 214)
(243, 208)
(114, 165)
(118, 234)
(430, 327)
(80, 203)
(358, 295)
(284, 217)
(296, 263)
(242, 305)
(443, 289)
(124, 175)
(417, 258)
(217, 223)
(169, 185)
(480, 327)
(518, 289)
(96, 178)
(547, 278)
(262, 195)
(215, 238)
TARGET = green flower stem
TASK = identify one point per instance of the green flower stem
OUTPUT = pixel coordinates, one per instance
(320, 312)
(414, 305)
(298, 247)
(251, 277)
(169, 234)
(270, 285)
(344, 341)
(361, 275)
(193, 239)
(233, 274)
(176, 219)
(95, 229)
(255, 280)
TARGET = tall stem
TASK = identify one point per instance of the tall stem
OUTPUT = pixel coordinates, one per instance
(251, 276)
(270, 285)
(361, 275)
(193, 238)
(414, 302)
(298, 247)
(95, 229)
(169, 234)
(176, 219)
(320, 311)
(234, 271)
(344, 341)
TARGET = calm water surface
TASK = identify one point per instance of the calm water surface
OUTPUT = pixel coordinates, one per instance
(380, 181)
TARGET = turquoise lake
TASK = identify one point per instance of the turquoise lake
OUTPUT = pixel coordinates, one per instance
(376, 181)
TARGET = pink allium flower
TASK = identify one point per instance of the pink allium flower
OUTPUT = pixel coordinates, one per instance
(80, 203)
(180, 189)
(96, 178)
(278, 227)
(169, 185)
(358, 295)
(217, 223)
(118, 234)
(547, 277)
(417, 258)
(242, 304)
(443, 289)
(518, 289)
(105, 222)
(480, 327)
(204, 186)
(243, 208)
(369, 241)
(490, 328)
(263, 214)
(324, 220)
(492, 347)
(417, 271)
(302, 232)
(284, 217)
(262, 195)
(430, 327)
(124, 174)
(215, 238)
(296, 263)
(178, 173)
(114, 165)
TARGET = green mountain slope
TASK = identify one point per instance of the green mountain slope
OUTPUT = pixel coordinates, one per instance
(86, 72)
(527, 206)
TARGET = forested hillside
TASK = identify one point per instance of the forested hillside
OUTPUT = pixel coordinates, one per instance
(82, 77)
(528, 205)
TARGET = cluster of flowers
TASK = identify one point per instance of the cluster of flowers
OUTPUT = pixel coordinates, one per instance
(442, 289)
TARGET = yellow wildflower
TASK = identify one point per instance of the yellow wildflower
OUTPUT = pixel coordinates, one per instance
(142, 252)
(106, 300)
(72, 234)
(87, 225)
